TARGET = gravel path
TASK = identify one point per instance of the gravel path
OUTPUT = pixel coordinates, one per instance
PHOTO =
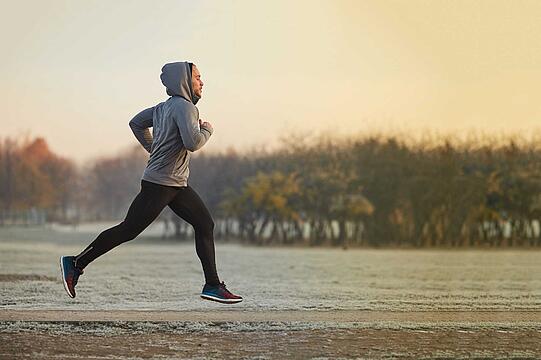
(239, 334)
(239, 315)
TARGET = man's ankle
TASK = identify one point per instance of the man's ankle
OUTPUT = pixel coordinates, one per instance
(78, 266)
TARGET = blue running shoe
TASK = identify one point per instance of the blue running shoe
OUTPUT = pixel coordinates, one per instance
(219, 293)
(70, 274)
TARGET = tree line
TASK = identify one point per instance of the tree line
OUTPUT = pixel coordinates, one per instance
(373, 190)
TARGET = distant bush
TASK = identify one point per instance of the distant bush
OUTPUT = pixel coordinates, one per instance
(372, 190)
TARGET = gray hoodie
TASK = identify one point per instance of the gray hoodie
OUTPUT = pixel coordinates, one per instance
(175, 129)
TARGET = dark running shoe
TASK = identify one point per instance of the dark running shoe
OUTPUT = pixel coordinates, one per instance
(70, 274)
(219, 293)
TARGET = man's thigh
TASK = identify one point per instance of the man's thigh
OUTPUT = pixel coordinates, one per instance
(189, 206)
(147, 205)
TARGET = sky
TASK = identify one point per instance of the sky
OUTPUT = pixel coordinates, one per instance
(76, 72)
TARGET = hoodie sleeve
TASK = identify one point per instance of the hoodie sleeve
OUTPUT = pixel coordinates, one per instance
(193, 136)
(140, 124)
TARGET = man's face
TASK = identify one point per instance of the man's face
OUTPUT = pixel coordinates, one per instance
(197, 84)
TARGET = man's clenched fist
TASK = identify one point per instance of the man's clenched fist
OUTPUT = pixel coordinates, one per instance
(205, 124)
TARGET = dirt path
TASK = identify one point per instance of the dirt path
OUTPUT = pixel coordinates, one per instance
(238, 334)
(320, 344)
(347, 316)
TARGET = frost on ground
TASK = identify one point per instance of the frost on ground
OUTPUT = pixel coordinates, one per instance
(108, 328)
(148, 274)
(151, 274)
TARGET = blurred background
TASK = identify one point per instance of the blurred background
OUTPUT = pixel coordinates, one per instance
(344, 123)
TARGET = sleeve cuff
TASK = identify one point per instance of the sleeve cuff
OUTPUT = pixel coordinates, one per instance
(207, 129)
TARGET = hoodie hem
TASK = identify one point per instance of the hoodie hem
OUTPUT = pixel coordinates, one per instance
(162, 179)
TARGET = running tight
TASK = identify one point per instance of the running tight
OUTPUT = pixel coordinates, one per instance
(145, 208)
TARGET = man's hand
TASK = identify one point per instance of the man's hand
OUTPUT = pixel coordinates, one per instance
(205, 124)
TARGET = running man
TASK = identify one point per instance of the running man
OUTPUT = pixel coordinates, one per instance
(177, 131)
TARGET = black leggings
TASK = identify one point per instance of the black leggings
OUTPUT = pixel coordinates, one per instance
(145, 208)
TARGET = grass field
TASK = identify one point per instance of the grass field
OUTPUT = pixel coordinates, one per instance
(141, 301)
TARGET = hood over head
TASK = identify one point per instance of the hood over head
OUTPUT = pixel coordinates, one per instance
(177, 78)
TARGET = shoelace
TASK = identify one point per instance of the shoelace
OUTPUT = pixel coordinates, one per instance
(222, 285)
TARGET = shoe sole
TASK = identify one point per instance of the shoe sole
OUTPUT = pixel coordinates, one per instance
(64, 277)
(223, 301)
